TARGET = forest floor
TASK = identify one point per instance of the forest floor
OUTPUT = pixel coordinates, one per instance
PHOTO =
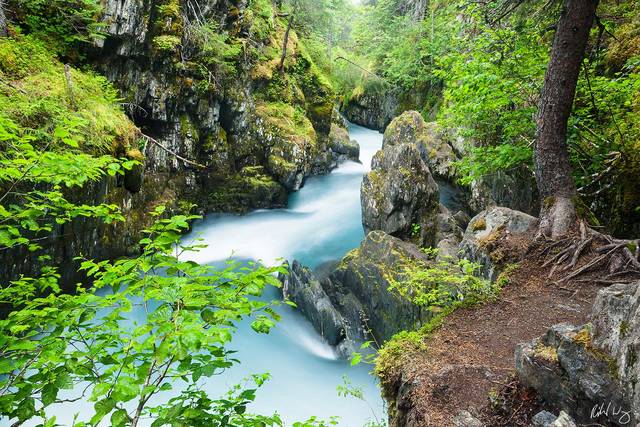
(469, 360)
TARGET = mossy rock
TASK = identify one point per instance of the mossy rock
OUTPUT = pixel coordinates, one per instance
(44, 101)
(251, 188)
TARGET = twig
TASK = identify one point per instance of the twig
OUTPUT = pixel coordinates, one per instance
(363, 69)
(13, 86)
(176, 155)
(67, 77)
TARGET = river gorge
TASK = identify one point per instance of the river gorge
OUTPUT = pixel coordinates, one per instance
(322, 223)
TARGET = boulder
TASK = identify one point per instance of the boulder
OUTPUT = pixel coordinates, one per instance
(354, 301)
(616, 331)
(591, 372)
(340, 144)
(303, 288)
(372, 110)
(465, 419)
(437, 153)
(399, 196)
(515, 189)
(564, 420)
(543, 419)
(485, 228)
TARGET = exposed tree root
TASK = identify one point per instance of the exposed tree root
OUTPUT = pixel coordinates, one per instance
(587, 250)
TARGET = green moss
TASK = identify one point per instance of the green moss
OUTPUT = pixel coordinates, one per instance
(187, 129)
(479, 224)
(584, 338)
(248, 189)
(39, 99)
(166, 43)
(624, 328)
(548, 202)
(287, 121)
(260, 18)
(169, 20)
(547, 353)
(505, 276)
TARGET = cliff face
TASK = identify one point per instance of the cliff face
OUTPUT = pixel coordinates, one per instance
(223, 126)
(204, 82)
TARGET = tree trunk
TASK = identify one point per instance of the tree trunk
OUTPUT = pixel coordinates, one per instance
(553, 171)
(285, 42)
(3, 20)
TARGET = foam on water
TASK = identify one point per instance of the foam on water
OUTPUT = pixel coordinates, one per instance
(323, 222)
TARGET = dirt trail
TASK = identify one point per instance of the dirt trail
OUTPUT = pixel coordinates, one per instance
(472, 353)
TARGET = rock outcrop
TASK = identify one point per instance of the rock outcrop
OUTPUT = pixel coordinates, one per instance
(399, 196)
(515, 189)
(434, 149)
(250, 135)
(591, 371)
(484, 229)
(372, 110)
(354, 302)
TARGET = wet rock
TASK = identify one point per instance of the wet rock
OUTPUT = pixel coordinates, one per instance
(543, 419)
(356, 297)
(133, 177)
(342, 145)
(399, 196)
(302, 287)
(486, 227)
(371, 110)
(249, 189)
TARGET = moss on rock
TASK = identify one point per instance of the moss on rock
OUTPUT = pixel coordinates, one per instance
(251, 188)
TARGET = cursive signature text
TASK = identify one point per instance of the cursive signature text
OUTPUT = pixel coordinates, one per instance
(610, 410)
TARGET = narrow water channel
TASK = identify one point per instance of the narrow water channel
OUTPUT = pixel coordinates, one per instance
(321, 223)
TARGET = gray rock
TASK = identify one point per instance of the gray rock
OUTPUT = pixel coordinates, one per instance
(302, 287)
(436, 152)
(571, 372)
(616, 331)
(543, 419)
(341, 145)
(354, 301)
(485, 227)
(372, 110)
(465, 419)
(399, 195)
(515, 189)
(564, 420)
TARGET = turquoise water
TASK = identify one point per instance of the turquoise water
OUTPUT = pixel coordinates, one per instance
(322, 223)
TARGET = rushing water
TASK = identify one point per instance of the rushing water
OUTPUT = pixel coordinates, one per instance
(322, 223)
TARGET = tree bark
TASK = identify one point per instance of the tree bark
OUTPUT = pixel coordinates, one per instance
(3, 20)
(553, 170)
(285, 42)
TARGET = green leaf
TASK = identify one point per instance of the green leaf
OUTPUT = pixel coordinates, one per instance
(119, 418)
(49, 394)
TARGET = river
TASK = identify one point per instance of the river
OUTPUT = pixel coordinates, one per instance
(322, 223)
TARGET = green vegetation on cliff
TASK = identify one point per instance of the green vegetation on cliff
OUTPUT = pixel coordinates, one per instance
(40, 95)
(63, 137)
